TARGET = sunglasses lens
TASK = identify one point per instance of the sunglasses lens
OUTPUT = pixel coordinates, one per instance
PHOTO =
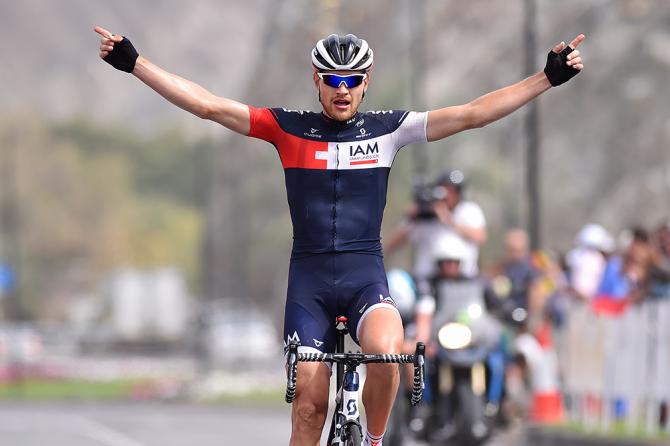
(335, 80)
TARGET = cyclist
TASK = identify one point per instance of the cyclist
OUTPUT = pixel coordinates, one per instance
(336, 166)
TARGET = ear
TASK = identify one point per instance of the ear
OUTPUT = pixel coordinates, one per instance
(316, 79)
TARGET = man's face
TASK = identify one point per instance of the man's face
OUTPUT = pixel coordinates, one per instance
(453, 196)
(516, 245)
(450, 268)
(340, 103)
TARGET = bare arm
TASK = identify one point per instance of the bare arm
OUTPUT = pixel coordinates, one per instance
(182, 92)
(495, 105)
(193, 98)
(477, 235)
(485, 109)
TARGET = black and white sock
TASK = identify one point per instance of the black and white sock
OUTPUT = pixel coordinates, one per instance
(372, 440)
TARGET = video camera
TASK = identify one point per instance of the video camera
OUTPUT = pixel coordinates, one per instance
(425, 194)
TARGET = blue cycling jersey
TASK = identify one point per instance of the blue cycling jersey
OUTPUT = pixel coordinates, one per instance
(337, 172)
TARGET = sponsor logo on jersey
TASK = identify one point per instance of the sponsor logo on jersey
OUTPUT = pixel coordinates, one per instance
(387, 300)
(381, 112)
(312, 133)
(294, 338)
(363, 153)
(300, 112)
(360, 123)
(317, 342)
(363, 134)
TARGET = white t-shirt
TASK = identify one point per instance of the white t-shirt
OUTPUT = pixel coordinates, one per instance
(424, 233)
(586, 270)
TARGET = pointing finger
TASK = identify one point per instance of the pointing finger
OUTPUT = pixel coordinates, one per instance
(576, 41)
(107, 35)
(558, 48)
(103, 32)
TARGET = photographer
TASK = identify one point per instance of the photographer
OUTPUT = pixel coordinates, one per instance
(438, 210)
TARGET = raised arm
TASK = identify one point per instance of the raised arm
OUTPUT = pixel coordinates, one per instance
(562, 64)
(181, 92)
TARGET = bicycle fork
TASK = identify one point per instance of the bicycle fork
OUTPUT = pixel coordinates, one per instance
(347, 405)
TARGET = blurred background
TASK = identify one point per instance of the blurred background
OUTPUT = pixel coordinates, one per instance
(144, 252)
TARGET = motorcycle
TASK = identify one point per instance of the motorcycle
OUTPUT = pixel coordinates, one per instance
(466, 334)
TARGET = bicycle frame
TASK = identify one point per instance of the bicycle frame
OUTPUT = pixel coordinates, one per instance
(347, 407)
(347, 384)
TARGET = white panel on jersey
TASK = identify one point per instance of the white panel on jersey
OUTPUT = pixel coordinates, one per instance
(412, 129)
(366, 153)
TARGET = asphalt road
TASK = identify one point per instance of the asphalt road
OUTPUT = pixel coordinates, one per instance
(153, 424)
(142, 424)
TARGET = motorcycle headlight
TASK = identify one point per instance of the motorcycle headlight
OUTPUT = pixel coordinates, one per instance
(453, 336)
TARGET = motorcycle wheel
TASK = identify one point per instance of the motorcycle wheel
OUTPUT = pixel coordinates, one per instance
(470, 420)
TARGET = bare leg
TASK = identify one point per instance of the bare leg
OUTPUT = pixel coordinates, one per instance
(310, 405)
(381, 332)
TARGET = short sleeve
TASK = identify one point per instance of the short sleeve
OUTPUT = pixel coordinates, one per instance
(412, 129)
(469, 214)
(262, 124)
(425, 305)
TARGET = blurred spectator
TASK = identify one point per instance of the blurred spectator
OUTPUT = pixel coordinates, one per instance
(552, 286)
(517, 280)
(438, 213)
(659, 275)
(625, 276)
(586, 263)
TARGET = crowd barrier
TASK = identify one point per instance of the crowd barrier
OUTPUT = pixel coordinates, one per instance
(616, 369)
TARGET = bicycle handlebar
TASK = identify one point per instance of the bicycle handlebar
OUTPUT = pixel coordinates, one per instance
(291, 372)
(354, 360)
(419, 363)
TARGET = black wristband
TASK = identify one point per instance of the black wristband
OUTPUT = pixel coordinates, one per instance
(557, 70)
(123, 56)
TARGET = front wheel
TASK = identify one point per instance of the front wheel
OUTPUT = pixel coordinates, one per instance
(353, 435)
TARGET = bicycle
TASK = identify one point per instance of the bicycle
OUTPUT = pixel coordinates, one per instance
(345, 428)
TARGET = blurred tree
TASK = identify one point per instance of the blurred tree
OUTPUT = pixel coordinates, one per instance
(89, 201)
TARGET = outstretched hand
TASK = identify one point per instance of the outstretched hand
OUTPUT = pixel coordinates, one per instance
(107, 41)
(574, 58)
(564, 62)
(117, 50)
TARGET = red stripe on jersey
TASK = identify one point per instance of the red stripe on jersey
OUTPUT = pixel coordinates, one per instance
(294, 152)
(262, 124)
(356, 163)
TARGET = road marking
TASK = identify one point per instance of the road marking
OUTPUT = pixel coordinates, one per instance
(104, 434)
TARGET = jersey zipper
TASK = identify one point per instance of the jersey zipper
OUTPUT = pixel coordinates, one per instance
(335, 192)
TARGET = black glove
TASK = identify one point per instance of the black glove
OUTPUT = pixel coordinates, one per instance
(557, 70)
(123, 56)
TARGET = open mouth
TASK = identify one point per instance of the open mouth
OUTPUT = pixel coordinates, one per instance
(341, 104)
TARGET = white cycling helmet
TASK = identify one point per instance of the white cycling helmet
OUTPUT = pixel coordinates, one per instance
(403, 291)
(450, 247)
(342, 53)
(596, 237)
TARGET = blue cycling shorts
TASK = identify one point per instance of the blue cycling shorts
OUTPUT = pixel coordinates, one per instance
(322, 287)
